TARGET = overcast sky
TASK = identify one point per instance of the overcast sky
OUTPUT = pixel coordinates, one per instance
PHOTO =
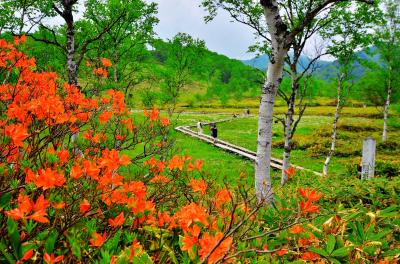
(220, 35)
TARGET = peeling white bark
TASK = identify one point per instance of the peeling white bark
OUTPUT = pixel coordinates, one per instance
(71, 63)
(334, 129)
(278, 32)
(288, 129)
(263, 184)
(386, 113)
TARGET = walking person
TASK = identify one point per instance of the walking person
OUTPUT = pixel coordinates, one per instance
(214, 132)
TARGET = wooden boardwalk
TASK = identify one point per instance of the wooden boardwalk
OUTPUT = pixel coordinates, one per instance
(229, 147)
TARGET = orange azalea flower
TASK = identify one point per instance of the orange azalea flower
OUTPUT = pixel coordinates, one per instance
(152, 162)
(119, 137)
(124, 160)
(296, 229)
(186, 158)
(310, 256)
(128, 124)
(98, 240)
(60, 205)
(51, 259)
(105, 116)
(159, 179)
(290, 171)
(17, 133)
(27, 256)
(76, 172)
(190, 167)
(282, 252)
(19, 39)
(160, 166)
(191, 238)
(106, 62)
(309, 207)
(164, 121)
(310, 195)
(100, 71)
(91, 168)
(39, 209)
(154, 114)
(39, 216)
(25, 206)
(84, 206)
(187, 215)
(49, 178)
(198, 186)
(135, 249)
(63, 155)
(118, 221)
(208, 242)
(303, 242)
(198, 164)
(222, 197)
(175, 163)
(162, 219)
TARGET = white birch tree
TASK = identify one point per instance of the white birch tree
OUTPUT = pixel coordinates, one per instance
(280, 36)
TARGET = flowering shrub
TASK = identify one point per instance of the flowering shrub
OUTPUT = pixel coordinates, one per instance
(81, 181)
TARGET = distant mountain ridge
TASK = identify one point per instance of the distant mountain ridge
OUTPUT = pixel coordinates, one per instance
(326, 70)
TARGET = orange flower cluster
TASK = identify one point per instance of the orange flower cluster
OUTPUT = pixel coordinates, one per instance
(101, 72)
(311, 196)
(106, 62)
(189, 218)
(26, 206)
(199, 186)
(208, 242)
(297, 229)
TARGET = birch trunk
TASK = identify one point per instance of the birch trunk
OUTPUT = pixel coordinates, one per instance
(334, 129)
(115, 66)
(386, 113)
(288, 128)
(71, 63)
(263, 184)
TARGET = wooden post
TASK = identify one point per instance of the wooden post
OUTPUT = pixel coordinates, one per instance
(368, 159)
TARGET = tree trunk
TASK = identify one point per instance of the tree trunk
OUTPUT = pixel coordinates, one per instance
(115, 72)
(288, 128)
(71, 63)
(386, 113)
(334, 129)
(263, 184)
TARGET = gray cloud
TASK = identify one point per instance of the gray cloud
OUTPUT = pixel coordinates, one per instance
(220, 35)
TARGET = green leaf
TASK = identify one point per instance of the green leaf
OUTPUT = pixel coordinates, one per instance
(360, 231)
(51, 241)
(12, 228)
(369, 231)
(335, 261)
(378, 236)
(387, 212)
(392, 252)
(75, 247)
(370, 250)
(342, 252)
(319, 251)
(5, 199)
(3, 250)
(331, 244)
